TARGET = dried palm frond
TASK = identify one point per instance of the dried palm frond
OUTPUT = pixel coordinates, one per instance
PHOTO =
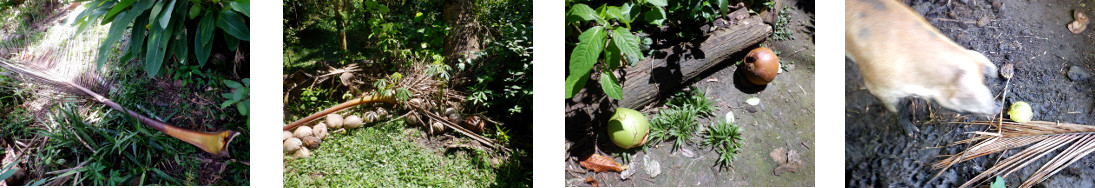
(1042, 137)
(212, 142)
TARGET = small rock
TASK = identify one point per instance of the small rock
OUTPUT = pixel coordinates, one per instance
(1008, 70)
(652, 167)
(730, 117)
(1077, 73)
(1080, 24)
(983, 21)
(687, 153)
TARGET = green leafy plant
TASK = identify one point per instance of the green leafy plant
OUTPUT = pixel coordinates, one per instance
(780, 29)
(165, 29)
(239, 96)
(698, 10)
(678, 122)
(606, 42)
(725, 138)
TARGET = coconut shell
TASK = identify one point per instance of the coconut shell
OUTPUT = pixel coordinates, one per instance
(302, 153)
(302, 131)
(761, 66)
(437, 127)
(381, 113)
(474, 123)
(285, 135)
(334, 120)
(320, 130)
(371, 117)
(291, 145)
(353, 122)
(413, 119)
(312, 142)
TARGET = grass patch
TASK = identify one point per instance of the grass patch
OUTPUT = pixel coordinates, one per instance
(725, 138)
(387, 155)
(678, 122)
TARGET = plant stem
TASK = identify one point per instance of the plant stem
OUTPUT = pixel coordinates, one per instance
(336, 108)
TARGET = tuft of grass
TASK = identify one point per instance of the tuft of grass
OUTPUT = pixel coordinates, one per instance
(725, 138)
(387, 155)
(678, 122)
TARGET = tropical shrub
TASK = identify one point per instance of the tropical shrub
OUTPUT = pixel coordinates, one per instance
(167, 28)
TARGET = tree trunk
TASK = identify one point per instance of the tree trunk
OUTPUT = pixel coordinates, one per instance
(645, 84)
(462, 39)
(341, 21)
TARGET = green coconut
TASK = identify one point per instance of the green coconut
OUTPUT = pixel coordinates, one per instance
(628, 128)
(1020, 112)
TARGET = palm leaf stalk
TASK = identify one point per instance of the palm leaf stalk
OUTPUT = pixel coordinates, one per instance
(215, 143)
(1040, 137)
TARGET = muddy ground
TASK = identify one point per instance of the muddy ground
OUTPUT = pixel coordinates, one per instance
(783, 119)
(1030, 34)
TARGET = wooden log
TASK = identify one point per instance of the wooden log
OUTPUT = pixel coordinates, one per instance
(653, 78)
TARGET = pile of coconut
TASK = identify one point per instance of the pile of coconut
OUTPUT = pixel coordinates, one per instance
(301, 140)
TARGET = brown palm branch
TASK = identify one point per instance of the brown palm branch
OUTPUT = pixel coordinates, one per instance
(215, 143)
(1040, 137)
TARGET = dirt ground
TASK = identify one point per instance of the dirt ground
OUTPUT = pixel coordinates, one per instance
(783, 119)
(1033, 36)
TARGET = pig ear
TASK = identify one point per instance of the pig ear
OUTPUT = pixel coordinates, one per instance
(987, 67)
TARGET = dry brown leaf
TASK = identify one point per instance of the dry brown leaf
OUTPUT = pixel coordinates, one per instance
(592, 181)
(600, 163)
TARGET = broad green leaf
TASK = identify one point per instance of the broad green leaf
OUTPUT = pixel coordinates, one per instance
(611, 85)
(231, 42)
(228, 103)
(242, 6)
(137, 35)
(232, 84)
(117, 29)
(182, 51)
(722, 7)
(165, 16)
(584, 13)
(629, 12)
(585, 55)
(195, 10)
(575, 83)
(614, 12)
(202, 37)
(156, 9)
(242, 106)
(234, 25)
(655, 16)
(158, 39)
(612, 55)
(659, 3)
(247, 82)
(117, 8)
(628, 44)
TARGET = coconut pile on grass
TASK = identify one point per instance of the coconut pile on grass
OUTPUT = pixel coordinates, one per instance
(300, 141)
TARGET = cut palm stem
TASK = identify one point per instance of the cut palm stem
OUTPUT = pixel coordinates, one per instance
(215, 143)
(336, 108)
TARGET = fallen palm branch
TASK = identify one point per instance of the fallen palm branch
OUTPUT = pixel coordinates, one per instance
(1042, 137)
(215, 143)
(419, 93)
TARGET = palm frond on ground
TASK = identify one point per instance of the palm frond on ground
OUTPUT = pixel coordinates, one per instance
(1040, 137)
